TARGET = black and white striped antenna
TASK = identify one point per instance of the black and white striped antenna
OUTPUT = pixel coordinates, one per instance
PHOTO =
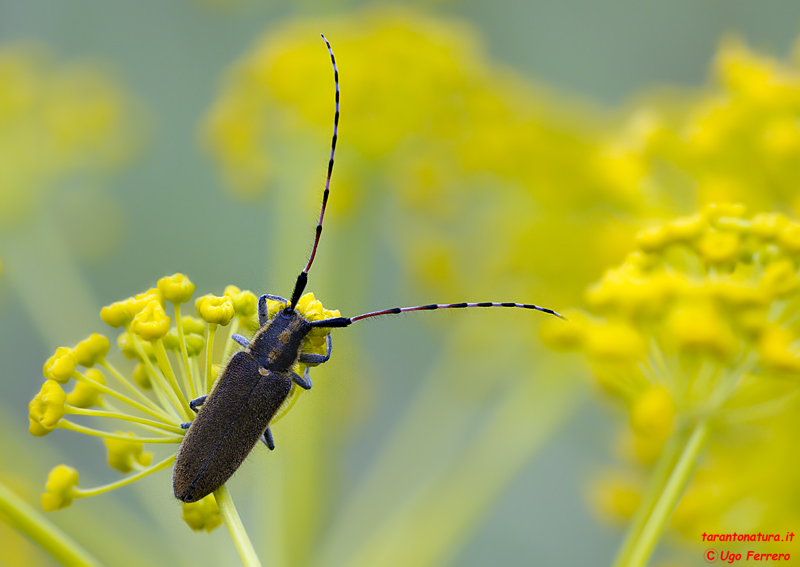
(302, 279)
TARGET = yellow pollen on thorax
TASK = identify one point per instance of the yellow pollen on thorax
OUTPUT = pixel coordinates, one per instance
(263, 371)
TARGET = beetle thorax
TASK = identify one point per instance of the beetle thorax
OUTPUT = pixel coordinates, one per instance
(277, 344)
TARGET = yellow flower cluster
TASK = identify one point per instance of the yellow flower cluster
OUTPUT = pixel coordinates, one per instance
(475, 156)
(699, 326)
(737, 141)
(54, 122)
(703, 295)
(154, 397)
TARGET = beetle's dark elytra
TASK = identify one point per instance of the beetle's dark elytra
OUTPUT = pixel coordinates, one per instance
(248, 394)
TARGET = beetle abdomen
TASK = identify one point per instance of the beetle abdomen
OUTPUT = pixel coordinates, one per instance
(229, 424)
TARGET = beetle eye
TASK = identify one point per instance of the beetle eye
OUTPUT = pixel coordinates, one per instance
(286, 313)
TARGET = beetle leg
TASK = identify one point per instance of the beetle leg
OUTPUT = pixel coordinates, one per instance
(263, 315)
(303, 381)
(312, 358)
(240, 339)
(186, 425)
(197, 402)
(267, 440)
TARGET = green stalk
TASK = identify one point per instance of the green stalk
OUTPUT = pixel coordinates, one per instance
(187, 372)
(86, 492)
(680, 477)
(212, 330)
(661, 472)
(236, 528)
(30, 522)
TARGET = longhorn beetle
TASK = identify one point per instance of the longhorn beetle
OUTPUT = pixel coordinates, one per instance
(257, 380)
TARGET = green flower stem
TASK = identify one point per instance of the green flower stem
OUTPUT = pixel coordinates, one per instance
(123, 416)
(114, 394)
(236, 528)
(166, 369)
(30, 522)
(66, 424)
(658, 480)
(187, 372)
(196, 374)
(158, 380)
(212, 330)
(680, 477)
(133, 389)
(83, 493)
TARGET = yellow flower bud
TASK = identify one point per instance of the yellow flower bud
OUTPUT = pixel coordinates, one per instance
(176, 288)
(126, 344)
(215, 310)
(116, 315)
(46, 409)
(141, 301)
(151, 323)
(92, 350)
(733, 224)
(273, 307)
(686, 229)
(768, 225)
(193, 325)
(698, 327)
(614, 496)
(614, 342)
(653, 413)
(244, 302)
(85, 395)
(312, 309)
(715, 211)
(122, 455)
(719, 247)
(141, 377)
(171, 341)
(203, 514)
(60, 486)
(736, 292)
(789, 238)
(61, 366)
(777, 350)
(194, 345)
(780, 278)
(652, 239)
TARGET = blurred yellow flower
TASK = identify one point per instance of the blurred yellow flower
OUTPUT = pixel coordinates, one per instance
(474, 156)
(738, 140)
(716, 351)
(55, 121)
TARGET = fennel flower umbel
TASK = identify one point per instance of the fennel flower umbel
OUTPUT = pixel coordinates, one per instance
(174, 363)
(696, 333)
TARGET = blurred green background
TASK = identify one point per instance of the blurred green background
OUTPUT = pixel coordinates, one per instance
(161, 204)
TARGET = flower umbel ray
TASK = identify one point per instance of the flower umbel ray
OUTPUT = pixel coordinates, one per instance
(177, 358)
